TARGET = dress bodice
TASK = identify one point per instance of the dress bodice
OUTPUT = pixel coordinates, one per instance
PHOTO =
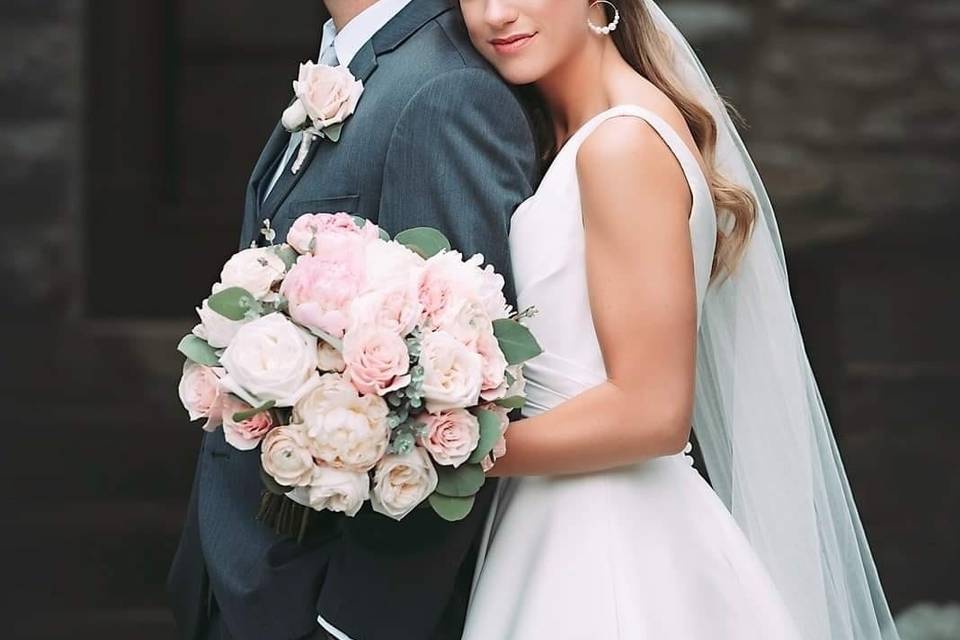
(549, 264)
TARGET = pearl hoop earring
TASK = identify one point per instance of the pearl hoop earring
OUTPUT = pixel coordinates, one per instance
(603, 31)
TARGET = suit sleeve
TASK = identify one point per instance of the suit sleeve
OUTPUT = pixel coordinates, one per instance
(461, 158)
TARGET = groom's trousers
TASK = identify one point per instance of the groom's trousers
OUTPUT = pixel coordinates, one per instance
(217, 629)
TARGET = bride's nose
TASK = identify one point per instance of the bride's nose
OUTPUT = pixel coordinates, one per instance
(499, 13)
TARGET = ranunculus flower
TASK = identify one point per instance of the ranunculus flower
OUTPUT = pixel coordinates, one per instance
(338, 489)
(200, 393)
(286, 456)
(452, 373)
(246, 434)
(328, 232)
(329, 358)
(216, 329)
(328, 94)
(377, 360)
(270, 358)
(319, 289)
(451, 436)
(401, 482)
(255, 269)
(344, 429)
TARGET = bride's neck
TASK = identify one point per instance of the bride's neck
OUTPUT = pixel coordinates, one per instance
(343, 11)
(576, 90)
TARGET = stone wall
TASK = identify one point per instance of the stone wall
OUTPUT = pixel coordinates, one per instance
(853, 113)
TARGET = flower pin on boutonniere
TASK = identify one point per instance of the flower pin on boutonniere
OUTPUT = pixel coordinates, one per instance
(326, 96)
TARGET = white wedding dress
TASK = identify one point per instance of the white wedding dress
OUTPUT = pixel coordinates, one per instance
(644, 552)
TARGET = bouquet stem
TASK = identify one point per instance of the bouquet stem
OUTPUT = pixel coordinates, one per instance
(283, 515)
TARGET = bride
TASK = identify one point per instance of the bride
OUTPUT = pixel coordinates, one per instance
(653, 257)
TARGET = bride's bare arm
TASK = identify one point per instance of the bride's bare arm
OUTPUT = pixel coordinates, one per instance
(636, 204)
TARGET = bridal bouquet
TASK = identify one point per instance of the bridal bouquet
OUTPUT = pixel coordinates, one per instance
(364, 367)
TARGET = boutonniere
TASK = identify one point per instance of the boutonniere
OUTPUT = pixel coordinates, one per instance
(325, 97)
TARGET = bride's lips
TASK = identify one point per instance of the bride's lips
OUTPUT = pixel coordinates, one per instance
(512, 43)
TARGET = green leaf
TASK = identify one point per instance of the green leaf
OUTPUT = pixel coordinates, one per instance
(233, 303)
(362, 221)
(461, 482)
(513, 402)
(240, 416)
(450, 508)
(272, 485)
(489, 434)
(196, 349)
(286, 253)
(332, 132)
(516, 342)
(426, 241)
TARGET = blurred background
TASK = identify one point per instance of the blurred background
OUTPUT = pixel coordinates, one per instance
(128, 129)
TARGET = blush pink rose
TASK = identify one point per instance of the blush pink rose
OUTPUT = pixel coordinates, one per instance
(246, 434)
(451, 436)
(319, 290)
(328, 94)
(444, 281)
(200, 393)
(328, 232)
(377, 360)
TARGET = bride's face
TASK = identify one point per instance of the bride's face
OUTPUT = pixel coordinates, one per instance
(526, 39)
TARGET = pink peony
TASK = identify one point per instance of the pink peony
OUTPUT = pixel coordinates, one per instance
(329, 232)
(319, 290)
(377, 360)
(451, 436)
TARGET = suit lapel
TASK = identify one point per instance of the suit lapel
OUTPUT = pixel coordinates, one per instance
(362, 66)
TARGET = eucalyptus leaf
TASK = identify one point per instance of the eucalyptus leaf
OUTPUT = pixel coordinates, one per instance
(233, 303)
(516, 342)
(426, 241)
(489, 435)
(332, 132)
(513, 402)
(460, 482)
(288, 254)
(450, 508)
(240, 416)
(196, 349)
(272, 485)
(336, 343)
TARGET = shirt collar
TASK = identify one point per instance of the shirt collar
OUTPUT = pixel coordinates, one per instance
(361, 28)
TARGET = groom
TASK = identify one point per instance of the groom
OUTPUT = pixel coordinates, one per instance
(436, 140)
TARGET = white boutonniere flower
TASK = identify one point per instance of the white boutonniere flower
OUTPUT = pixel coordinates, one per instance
(325, 97)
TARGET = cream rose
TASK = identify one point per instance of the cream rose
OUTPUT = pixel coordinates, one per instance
(395, 308)
(256, 269)
(328, 94)
(286, 456)
(270, 358)
(329, 358)
(377, 360)
(452, 373)
(451, 436)
(216, 329)
(338, 490)
(401, 482)
(344, 429)
(200, 393)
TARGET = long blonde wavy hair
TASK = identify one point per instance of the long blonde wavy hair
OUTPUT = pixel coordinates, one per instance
(650, 54)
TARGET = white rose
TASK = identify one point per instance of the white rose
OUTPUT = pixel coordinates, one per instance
(338, 490)
(294, 116)
(200, 394)
(216, 329)
(452, 373)
(401, 482)
(285, 456)
(490, 293)
(344, 429)
(256, 269)
(466, 320)
(270, 358)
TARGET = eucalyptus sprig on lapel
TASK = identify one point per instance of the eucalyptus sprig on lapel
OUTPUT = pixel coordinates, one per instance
(325, 97)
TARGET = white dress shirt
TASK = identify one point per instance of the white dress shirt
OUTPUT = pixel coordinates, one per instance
(346, 42)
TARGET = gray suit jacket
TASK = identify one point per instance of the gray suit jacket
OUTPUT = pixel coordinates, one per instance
(437, 140)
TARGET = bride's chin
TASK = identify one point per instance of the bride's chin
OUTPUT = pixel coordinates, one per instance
(516, 72)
